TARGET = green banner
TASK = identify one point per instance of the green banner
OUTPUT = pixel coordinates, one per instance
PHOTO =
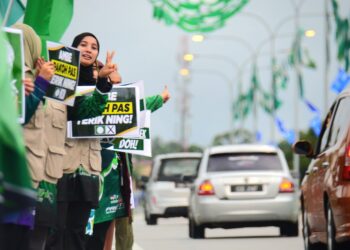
(16, 59)
(140, 145)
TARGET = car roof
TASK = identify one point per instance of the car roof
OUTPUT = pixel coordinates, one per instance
(245, 148)
(179, 155)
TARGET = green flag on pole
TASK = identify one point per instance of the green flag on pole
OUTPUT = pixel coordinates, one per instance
(11, 10)
(49, 18)
(196, 16)
(15, 182)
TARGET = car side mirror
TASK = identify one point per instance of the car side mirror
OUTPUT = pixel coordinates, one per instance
(303, 148)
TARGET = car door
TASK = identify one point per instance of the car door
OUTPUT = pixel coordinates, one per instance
(314, 185)
(337, 143)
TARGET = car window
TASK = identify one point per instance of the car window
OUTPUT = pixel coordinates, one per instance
(340, 124)
(323, 138)
(244, 162)
(174, 169)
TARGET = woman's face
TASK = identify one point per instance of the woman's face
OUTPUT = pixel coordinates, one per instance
(88, 50)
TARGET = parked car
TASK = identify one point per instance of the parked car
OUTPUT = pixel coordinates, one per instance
(325, 189)
(167, 189)
(243, 186)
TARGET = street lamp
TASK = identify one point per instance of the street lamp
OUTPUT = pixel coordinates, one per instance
(190, 57)
(226, 80)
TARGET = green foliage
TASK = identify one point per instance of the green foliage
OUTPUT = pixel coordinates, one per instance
(161, 147)
(342, 35)
(237, 136)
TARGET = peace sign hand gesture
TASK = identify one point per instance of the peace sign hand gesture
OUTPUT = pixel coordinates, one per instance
(109, 67)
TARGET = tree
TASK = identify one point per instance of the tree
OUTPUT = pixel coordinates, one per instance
(237, 136)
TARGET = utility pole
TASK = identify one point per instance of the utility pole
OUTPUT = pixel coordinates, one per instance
(185, 96)
(327, 54)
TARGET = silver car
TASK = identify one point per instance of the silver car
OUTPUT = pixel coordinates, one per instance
(167, 189)
(243, 186)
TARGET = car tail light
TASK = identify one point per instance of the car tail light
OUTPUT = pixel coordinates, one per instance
(286, 186)
(346, 168)
(154, 200)
(206, 188)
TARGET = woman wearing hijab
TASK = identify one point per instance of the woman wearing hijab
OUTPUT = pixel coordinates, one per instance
(78, 188)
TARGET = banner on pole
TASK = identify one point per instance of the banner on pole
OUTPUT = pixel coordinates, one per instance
(16, 59)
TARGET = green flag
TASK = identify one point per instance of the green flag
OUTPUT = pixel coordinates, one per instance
(49, 18)
(14, 13)
(15, 182)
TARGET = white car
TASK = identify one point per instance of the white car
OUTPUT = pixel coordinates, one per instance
(167, 189)
(243, 186)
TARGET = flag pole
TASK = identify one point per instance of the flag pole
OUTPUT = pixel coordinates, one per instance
(7, 15)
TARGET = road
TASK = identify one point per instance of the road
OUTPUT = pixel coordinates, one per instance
(172, 234)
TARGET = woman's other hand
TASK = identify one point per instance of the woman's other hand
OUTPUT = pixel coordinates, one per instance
(47, 70)
(28, 86)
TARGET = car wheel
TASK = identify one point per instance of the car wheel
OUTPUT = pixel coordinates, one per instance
(306, 234)
(290, 229)
(195, 231)
(152, 220)
(149, 218)
(331, 243)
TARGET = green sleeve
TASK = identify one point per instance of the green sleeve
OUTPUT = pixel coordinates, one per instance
(88, 106)
(154, 102)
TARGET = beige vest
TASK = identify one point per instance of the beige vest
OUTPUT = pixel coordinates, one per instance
(85, 152)
(44, 140)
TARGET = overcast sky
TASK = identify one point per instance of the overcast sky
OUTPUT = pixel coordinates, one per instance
(148, 50)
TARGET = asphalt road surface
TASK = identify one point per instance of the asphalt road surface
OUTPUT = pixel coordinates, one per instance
(172, 234)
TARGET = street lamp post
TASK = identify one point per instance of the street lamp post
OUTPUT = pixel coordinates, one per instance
(231, 83)
(222, 76)
(190, 57)
(231, 38)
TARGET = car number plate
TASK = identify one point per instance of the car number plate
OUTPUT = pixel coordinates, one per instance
(246, 188)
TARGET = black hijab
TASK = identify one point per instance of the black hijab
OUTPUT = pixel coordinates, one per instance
(86, 72)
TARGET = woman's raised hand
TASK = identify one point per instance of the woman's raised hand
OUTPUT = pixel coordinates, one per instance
(109, 67)
(165, 94)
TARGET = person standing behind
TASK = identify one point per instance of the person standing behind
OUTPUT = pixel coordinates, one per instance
(124, 235)
(116, 174)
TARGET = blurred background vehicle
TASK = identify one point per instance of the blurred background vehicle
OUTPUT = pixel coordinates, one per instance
(166, 191)
(243, 186)
(325, 190)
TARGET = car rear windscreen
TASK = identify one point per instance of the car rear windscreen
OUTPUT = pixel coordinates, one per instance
(244, 162)
(174, 169)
